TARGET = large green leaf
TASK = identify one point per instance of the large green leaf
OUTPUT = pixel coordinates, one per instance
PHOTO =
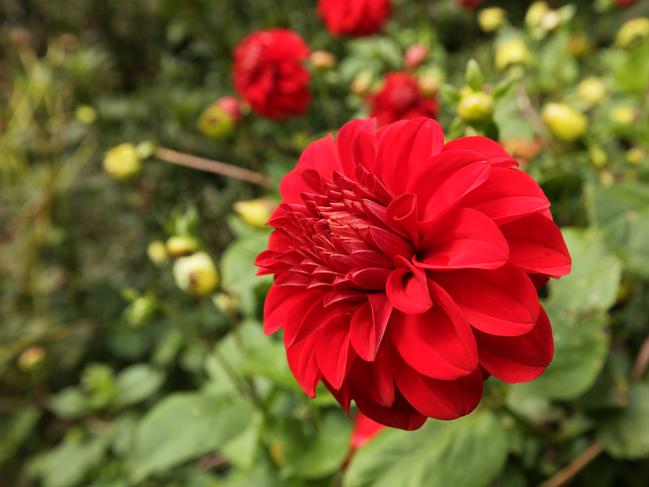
(625, 433)
(622, 212)
(577, 310)
(468, 451)
(137, 383)
(185, 426)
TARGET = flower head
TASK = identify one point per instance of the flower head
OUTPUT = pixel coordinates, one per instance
(400, 98)
(354, 17)
(269, 73)
(405, 270)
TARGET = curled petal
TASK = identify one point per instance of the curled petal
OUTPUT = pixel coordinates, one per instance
(368, 325)
(407, 290)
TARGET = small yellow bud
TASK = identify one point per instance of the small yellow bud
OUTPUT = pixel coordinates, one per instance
(491, 19)
(86, 114)
(362, 83)
(511, 51)
(592, 91)
(179, 245)
(624, 115)
(225, 303)
(579, 45)
(216, 122)
(635, 156)
(31, 358)
(429, 82)
(157, 252)
(122, 162)
(254, 212)
(196, 274)
(564, 122)
(597, 156)
(535, 14)
(476, 107)
(550, 21)
(323, 59)
(631, 31)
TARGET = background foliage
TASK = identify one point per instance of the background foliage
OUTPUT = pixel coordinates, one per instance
(113, 376)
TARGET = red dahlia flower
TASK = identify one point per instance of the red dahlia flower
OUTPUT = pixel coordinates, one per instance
(354, 17)
(269, 73)
(470, 4)
(401, 98)
(405, 268)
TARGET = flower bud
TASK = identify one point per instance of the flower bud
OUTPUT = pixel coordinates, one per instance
(631, 31)
(597, 156)
(511, 51)
(196, 274)
(415, 55)
(635, 156)
(535, 14)
(492, 19)
(254, 212)
(225, 303)
(579, 45)
(362, 83)
(140, 310)
(591, 91)
(429, 82)
(219, 120)
(122, 162)
(550, 21)
(179, 245)
(476, 107)
(623, 115)
(157, 252)
(322, 60)
(523, 149)
(564, 122)
(86, 114)
(31, 358)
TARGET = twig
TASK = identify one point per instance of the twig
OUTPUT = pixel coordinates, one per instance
(565, 475)
(216, 167)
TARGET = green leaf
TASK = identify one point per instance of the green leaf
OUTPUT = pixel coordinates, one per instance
(70, 403)
(184, 426)
(137, 383)
(469, 451)
(622, 212)
(473, 75)
(16, 429)
(625, 433)
(632, 74)
(576, 308)
(319, 453)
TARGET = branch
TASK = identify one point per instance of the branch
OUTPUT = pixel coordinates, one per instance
(216, 167)
(565, 475)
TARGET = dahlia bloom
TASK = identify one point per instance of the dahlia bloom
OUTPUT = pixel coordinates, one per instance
(269, 73)
(405, 270)
(354, 17)
(401, 98)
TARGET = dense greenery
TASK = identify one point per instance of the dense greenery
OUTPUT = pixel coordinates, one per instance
(112, 375)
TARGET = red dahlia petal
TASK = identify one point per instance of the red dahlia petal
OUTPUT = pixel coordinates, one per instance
(492, 150)
(368, 325)
(334, 353)
(350, 148)
(301, 358)
(400, 415)
(537, 246)
(280, 303)
(501, 301)
(407, 289)
(520, 358)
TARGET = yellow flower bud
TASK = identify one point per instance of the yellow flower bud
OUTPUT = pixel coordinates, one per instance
(550, 21)
(623, 115)
(491, 19)
(635, 156)
(511, 51)
(535, 14)
(597, 156)
(592, 91)
(631, 31)
(122, 162)
(323, 59)
(254, 212)
(579, 45)
(196, 274)
(216, 122)
(157, 252)
(225, 303)
(181, 245)
(86, 115)
(476, 107)
(31, 358)
(564, 122)
(429, 82)
(362, 83)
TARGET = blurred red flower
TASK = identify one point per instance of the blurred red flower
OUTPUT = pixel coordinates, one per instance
(364, 430)
(401, 98)
(354, 17)
(404, 270)
(470, 4)
(624, 3)
(269, 73)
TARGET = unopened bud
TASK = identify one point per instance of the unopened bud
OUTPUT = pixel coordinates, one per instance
(511, 51)
(122, 162)
(635, 156)
(592, 91)
(492, 19)
(322, 59)
(429, 83)
(196, 274)
(550, 21)
(624, 115)
(31, 358)
(179, 245)
(564, 122)
(535, 14)
(157, 252)
(579, 45)
(415, 55)
(476, 107)
(523, 149)
(362, 83)
(632, 31)
(86, 115)
(255, 212)
(225, 303)
(220, 119)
